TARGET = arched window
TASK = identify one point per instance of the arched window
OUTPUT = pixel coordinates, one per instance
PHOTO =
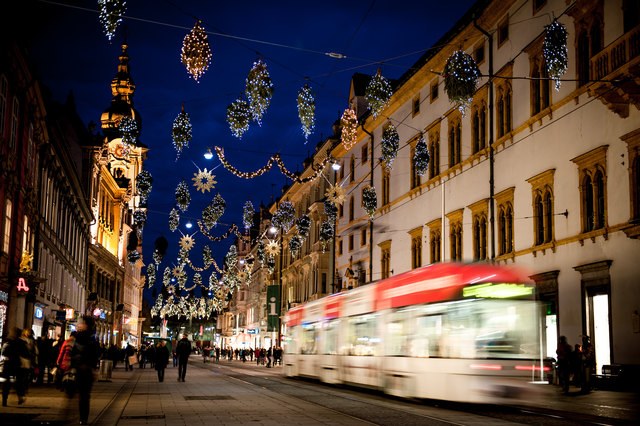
(483, 238)
(351, 208)
(548, 217)
(483, 127)
(500, 113)
(476, 239)
(598, 187)
(539, 219)
(352, 169)
(475, 131)
(587, 187)
(509, 220)
(502, 231)
(583, 58)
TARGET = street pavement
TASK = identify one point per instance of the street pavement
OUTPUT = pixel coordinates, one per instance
(211, 396)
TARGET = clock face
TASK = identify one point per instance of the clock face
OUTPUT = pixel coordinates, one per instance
(119, 151)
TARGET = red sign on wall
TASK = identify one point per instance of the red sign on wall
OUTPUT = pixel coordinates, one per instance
(22, 285)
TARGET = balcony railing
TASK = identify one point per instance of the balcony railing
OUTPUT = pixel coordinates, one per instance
(617, 54)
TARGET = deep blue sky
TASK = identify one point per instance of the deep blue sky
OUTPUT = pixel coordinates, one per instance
(72, 53)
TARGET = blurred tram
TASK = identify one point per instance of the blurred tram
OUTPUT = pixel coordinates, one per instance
(450, 331)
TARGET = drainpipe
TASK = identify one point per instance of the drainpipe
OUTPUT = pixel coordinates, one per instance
(492, 212)
(370, 220)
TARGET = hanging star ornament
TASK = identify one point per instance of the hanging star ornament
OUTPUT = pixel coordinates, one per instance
(204, 180)
(187, 242)
(171, 289)
(176, 272)
(272, 248)
(336, 194)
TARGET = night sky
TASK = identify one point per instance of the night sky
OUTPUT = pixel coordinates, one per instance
(71, 52)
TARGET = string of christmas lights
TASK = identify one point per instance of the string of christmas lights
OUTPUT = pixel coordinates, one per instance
(183, 197)
(238, 117)
(390, 145)
(144, 183)
(378, 94)
(196, 52)
(461, 75)
(181, 132)
(349, 122)
(421, 157)
(212, 213)
(259, 90)
(307, 110)
(554, 49)
(369, 200)
(247, 215)
(110, 15)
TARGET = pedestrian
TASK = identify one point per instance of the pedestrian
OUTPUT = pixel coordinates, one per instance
(151, 355)
(205, 352)
(217, 353)
(13, 351)
(30, 363)
(64, 359)
(174, 346)
(183, 351)
(84, 358)
(269, 355)
(162, 359)
(588, 364)
(564, 363)
(128, 353)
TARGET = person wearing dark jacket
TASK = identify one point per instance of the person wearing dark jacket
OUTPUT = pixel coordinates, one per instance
(183, 351)
(84, 358)
(12, 372)
(161, 359)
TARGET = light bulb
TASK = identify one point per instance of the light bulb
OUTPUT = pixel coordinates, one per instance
(208, 155)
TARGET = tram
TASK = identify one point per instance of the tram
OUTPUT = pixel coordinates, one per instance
(449, 331)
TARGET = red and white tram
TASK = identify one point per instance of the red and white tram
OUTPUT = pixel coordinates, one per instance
(459, 332)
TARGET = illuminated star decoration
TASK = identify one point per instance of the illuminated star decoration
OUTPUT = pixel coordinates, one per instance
(238, 117)
(378, 94)
(554, 49)
(203, 180)
(307, 110)
(259, 90)
(336, 194)
(187, 242)
(171, 289)
(196, 52)
(181, 132)
(110, 15)
(272, 248)
(176, 272)
(349, 123)
(461, 75)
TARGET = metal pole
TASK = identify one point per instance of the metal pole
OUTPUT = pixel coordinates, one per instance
(370, 220)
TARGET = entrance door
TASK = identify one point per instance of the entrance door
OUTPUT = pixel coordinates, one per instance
(599, 310)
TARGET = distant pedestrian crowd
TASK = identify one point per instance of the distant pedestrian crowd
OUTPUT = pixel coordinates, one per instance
(576, 366)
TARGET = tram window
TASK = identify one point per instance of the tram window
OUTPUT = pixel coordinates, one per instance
(290, 347)
(399, 332)
(362, 335)
(426, 341)
(331, 338)
(309, 339)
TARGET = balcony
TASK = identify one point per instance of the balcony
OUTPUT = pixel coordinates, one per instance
(620, 62)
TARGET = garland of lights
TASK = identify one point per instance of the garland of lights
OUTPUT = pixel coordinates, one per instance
(307, 110)
(181, 132)
(151, 274)
(369, 200)
(378, 94)
(110, 15)
(349, 135)
(284, 216)
(174, 219)
(318, 168)
(294, 245)
(259, 90)
(232, 229)
(183, 197)
(133, 256)
(214, 211)
(144, 183)
(421, 157)
(247, 215)
(304, 224)
(196, 52)
(390, 144)
(128, 131)
(554, 49)
(461, 75)
(238, 117)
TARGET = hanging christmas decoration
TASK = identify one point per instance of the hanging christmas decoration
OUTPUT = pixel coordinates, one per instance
(247, 215)
(140, 219)
(110, 15)
(166, 276)
(238, 117)
(326, 234)
(304, 224)
(197, 279)
(182, 279)
(157, 257)
(349, 135)
(183, 198)
(554, 49)
(128, 131)
(133, 256)
(231, 258)
(390, 144)
(335, 194)
(143, 183)
(174, 219)
(151, 275)
(284, 216)
(196, 52)
(294, 245)
(307, 110)
(214, 211)
(272, 248)
(187, 242)
(271, 264)
(378, 94)
(203, 180)
(207, 257)
(461, 75)
(183, 257)
(330, 210)
(369, 200)
(259, 90)
(261, 253)
(181, 132)
(176, 271)
(421, 157)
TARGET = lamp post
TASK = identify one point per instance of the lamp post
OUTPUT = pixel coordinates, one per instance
(272, 305)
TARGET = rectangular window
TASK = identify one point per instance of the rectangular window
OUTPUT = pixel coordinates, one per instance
(479, 213)
(13, 137)
(434, 154)
(415, 110)
(340, 247)
(455, 234)
(434, 90)
(385, 259)
(503, 31)
(4, 87)
(386, 176)
(350, 242)
(365, 153)
(416, 247)
(6, 240)
(363, 237)
(351, 208)
(478, 54)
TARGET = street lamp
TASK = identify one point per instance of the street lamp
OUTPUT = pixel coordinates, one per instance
(208, 154)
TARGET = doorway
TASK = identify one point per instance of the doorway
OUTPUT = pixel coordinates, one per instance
(599, 327)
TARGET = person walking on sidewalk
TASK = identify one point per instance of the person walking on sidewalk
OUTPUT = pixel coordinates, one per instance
(84, 358)
(564, 363)
(174, 346)
(128, 352)
(269, 355)
(162, 359)
(183, 351)
(12, 372)
(64, 359)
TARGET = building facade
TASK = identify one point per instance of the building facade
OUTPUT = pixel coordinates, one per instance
(528, 175)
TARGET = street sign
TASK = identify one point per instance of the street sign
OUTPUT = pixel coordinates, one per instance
(273, 307)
